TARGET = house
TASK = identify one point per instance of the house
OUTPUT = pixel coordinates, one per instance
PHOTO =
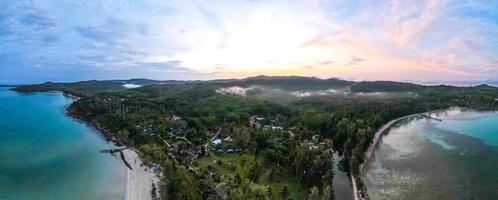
(217, 142)
(275, 128)
(315, 137)
(272, 128)
(175, 118)
(255, 121)
(228, 139)
(179, 121)
(156, 166)
(313, 147)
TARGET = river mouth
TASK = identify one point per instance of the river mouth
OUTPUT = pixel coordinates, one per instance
(420, 158)
(45, 154)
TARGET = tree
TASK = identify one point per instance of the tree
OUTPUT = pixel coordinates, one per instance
(172, 187)
(250, 190)
(328, 193)
(314, 194)
(284, 192)
(269, 191)
(261, 140)
(242, 136)
(301, 158)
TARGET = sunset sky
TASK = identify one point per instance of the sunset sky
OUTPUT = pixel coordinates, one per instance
(42, 40)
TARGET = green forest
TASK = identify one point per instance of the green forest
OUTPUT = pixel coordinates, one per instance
(220, 145)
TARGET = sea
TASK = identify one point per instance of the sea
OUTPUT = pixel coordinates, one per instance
(47, 155)
(453, 155)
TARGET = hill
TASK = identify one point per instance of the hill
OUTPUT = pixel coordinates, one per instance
(91, 87)
(291, 82)
(385, 86)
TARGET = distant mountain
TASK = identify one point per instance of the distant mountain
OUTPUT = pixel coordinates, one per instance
(86, 88)
(81, 88)
(385, 86)
(291, 82)
(142, 82)
(467, 83)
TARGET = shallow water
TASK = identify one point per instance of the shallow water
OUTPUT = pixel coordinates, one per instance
(45, 154)
(456, 158)
(341, 183)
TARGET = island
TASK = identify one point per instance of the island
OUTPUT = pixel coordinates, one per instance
(255, 138)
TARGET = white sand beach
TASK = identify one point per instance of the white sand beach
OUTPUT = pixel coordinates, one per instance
(139, 180)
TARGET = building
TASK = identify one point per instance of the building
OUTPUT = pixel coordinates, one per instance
(217, 142)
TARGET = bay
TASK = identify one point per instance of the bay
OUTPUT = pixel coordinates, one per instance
(455, 158)
(45, 154)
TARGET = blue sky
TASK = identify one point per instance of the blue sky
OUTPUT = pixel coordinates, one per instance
(42, 40)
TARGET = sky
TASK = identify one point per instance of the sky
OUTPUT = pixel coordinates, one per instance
(447, 40)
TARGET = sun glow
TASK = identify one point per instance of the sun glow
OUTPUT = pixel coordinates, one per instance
(302, 39)
(266, 41)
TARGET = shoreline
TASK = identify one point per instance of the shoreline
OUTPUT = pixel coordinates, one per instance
(140, 180)
(104, 132)
(73, 96)
(371, 148)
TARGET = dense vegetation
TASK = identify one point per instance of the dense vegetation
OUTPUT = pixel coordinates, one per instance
(270, 164)
(269, 149)
(87, 88)
(83, 88)
(385, 86)
(291, 82)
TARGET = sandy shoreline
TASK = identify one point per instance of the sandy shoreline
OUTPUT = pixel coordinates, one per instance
(139, 179)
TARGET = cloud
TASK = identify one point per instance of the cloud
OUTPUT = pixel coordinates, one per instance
(155, 38)
(26, 17)
(356, 61)
(36, 21)
(167, 66)
(94, 33)
(412, 20)
(327, 62)
(466, 45)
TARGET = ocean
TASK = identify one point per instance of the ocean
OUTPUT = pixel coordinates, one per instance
(45, 154)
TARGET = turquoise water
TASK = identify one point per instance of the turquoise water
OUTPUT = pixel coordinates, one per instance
(456, 158)
(47, 155)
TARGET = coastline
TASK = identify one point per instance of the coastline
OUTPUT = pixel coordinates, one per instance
(140, 180)
(371, 149)
(106, 134)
